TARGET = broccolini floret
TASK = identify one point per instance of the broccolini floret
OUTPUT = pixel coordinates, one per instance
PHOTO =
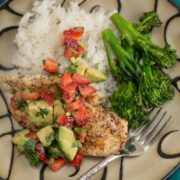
(163, 57)
(147, 22)
(137, 65)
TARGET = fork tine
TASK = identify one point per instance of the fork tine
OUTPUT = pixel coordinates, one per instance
(140, 131)
(156, 135)
(151, 129)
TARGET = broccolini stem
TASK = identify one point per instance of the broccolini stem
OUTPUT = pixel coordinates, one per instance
(122, 56)
(112, 65)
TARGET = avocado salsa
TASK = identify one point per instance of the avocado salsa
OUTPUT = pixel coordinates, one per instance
(58, 114)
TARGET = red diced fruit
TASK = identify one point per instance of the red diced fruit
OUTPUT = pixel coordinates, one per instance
(51, 66)
(86, 91)
(75, 105)
(77, 161)
(82, 137)
(74, 33)
(69, 89)
(80, 80)
(48, 97)
(69, 42)
(55, 164)
(81, 116)
(68, 98)
(66, 79)
(62, 120)
(30, 96)
(80, 50)
(32, 135)
(70, 52)
(40, 151)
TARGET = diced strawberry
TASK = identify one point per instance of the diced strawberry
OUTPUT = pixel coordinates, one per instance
(77, 161)
(80, 80)
(81, 116)
(66, 79)
(68, 98)
(80, 50)
(82, 137)
(69, 89)
(40, 151)
(51, 65)
(32, 135)
(30, 96)
(48, 97)
(62, 120)
(69, 42)
(55, 164)
(70, 52)
(74, 33)
(86, 91)
(75, 105)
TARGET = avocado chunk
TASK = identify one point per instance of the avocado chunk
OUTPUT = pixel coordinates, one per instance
(81, 68)
(95, 76)
(20, 139)
(46, 135)
(58, 108)
(65, 139)
(40, 113)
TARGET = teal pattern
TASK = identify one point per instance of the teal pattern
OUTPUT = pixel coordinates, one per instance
(1, 1)
(176, 2)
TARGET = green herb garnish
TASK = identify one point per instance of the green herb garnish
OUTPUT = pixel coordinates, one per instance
(72, 68)
(20, 104)
(42, 112)
(14, 90)
(43, 61)
(79, 131)
(30, 152)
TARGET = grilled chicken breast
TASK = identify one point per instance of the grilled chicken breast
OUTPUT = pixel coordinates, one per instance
(36, 82)
(106, 132)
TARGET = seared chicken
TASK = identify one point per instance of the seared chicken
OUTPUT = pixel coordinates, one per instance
(106, 132)
(36, 82)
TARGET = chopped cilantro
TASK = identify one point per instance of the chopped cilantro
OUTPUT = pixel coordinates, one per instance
(43, 61)
(42, 112)
(79, 131)
(30, 152)
(20, 104)
(14, 90)
(72, 68)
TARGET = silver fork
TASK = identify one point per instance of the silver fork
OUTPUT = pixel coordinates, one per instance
(139, 141)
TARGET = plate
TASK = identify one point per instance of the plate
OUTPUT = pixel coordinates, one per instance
(154, 164)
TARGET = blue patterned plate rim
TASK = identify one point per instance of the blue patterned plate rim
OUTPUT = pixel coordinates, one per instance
(3, 2)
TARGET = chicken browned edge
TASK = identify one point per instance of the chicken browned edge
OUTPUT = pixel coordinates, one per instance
(106, 132)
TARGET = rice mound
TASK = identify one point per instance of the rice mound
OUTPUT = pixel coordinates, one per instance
(40, 35)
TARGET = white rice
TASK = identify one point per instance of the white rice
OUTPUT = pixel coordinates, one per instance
(40, 36)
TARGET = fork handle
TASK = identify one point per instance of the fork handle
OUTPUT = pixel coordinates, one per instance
(97, 167)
